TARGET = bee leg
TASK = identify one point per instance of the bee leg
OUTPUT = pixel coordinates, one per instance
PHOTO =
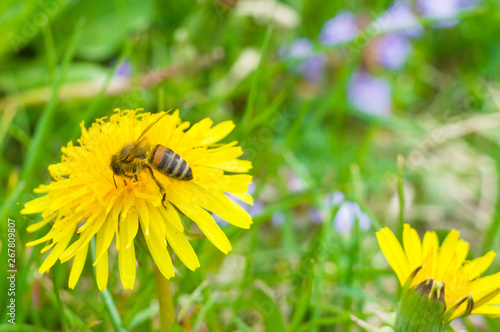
(162, 190)
(163, 200)
(134, 170)
(114, 181)
(128, 177)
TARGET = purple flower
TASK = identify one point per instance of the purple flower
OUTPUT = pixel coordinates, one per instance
(364, 221)
(334, 199)
(370, 95)
(254, 209)
(467, 4)
(307, 62)
(399, 17)
(392, 51)
(123, 70)
(294, 183)
(278, 219)
(442, 9)
(251, 188)
(312, 68)
(339, 29)
(445, 10)
(347, 215)
(302, 48)
(315, 216)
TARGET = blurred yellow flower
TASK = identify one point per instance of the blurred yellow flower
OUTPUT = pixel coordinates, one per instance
(421, 263)
(82, 198)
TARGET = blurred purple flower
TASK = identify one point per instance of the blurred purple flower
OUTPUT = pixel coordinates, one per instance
(441, 9)
(312, 68)
(123, 70)
(310, 64)
(302, 48)
(339, 29)
(254, 209)
(315, 216)
(294, 183)
(251, 188)
(365, 222)
(278, 219)
(467, 4)
(346, 216)
(393, 50)
(445, 10)
(399, 17)
(334, 199)
(370, 95)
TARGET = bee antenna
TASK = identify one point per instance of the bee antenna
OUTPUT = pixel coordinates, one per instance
(152, 124)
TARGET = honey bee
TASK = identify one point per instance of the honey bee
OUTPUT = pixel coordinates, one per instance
(142, 155)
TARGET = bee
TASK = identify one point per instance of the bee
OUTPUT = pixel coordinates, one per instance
(141, 155)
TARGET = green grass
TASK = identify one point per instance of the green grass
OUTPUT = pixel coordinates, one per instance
(300, 276)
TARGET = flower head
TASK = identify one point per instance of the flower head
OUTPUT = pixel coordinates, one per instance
(426, 263)
(302, 48)
(85, 199)
(334, 199)
(439, 9)
(339, 29)
(304, 59)
(370, 95)
(123, 70)
(347, 215)
(399, 17)
(444, 10)
(393, 50)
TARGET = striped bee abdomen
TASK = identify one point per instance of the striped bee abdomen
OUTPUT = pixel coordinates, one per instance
(169, 163)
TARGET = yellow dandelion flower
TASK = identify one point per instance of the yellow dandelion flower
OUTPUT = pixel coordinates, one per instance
(444, 269)
(86, 197)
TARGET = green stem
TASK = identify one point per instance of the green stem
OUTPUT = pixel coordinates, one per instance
(252, 99)
(114, 315)
(167, 312)
(492, 233)
(60, 305)
(401, 196)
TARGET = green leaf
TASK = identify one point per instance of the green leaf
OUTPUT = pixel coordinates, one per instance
(267, 306)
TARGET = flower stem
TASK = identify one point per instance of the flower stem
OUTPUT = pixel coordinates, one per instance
(401, 196)
(167, 312)
(60, 305)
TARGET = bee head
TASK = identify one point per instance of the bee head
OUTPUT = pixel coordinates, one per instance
(115, 165)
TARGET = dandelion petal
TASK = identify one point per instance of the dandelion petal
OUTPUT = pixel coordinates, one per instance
(158, 248)
(394, 254)
(76, 269)
(126, 260)
(102, 245)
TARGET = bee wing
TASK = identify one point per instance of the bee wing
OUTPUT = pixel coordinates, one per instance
(142, 145)
(141, 148)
